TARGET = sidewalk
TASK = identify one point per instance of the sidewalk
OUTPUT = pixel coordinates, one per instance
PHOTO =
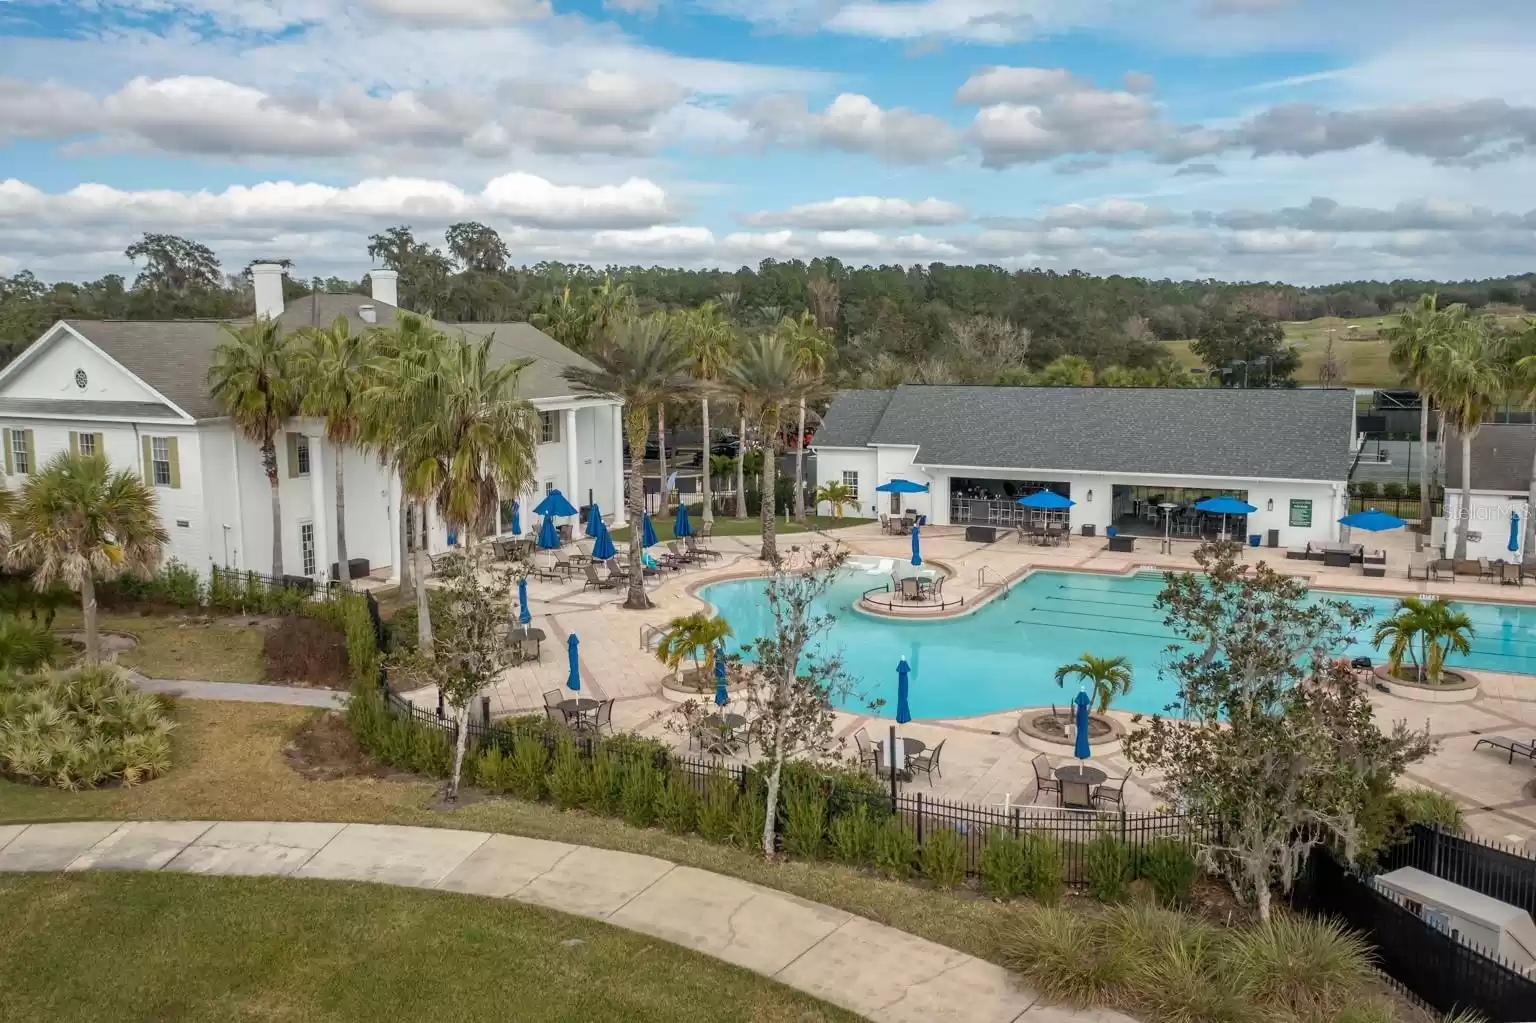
(241, 692)
(865, 967)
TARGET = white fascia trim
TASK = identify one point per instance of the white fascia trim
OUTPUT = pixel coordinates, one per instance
(53, 331)
(572, 401)
(1151, 475)
(163, 421)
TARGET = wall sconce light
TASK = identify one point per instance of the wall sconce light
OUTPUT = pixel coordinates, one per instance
(1270, 506)
(1090, 496)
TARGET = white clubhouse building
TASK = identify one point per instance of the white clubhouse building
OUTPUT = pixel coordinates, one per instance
(1127, 457)
(137, 392)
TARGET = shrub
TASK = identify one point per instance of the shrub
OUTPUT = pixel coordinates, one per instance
(1184, 983)
(26, 647)
(1004, 870)
(717, 810)
(895, 849)
(530, 763)
(491, 770)
(1379, 1010)
(568, 777)
(943, 858)
(805, 820)
(1044, 871)
(1394, 490)
(1062, 954)
(82, 728)
(400, 629)
(852, 835)
(677, 804)
(605, 783)
(637, 794)
(306, 650)
(1170, 867)
(1297, 964)
(1107, 862)
(430, 750)
(747, 828)
(1430, 807)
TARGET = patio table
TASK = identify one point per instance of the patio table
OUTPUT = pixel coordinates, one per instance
(910, 747)
(725, 726)
(1086, 775)
(578, 708)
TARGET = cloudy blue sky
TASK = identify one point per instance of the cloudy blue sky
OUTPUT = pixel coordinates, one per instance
(1303, 140)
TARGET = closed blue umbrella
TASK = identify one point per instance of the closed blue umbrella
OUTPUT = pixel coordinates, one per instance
(603, 548)
(517, 518)
(1514, 532)
(647, 532)
(903, 684)
(681, 526)
(594, 520)
(1046, 499)
(554, 503)
(523, 616)
(722, 695)
(1372, 521)
(573, 681)
(917, 554)
(1080, 749)
(549, 536)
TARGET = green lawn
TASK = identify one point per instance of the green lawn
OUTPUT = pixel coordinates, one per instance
(730, 526)
(151, 947)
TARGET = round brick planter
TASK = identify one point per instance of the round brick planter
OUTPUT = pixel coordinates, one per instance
(1460, 686)
(1108, 740)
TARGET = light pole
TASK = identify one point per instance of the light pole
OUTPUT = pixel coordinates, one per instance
(1167, 509)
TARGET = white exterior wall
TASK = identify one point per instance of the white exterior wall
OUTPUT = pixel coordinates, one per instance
(1489, 528)
(49, 372)
(831, 463)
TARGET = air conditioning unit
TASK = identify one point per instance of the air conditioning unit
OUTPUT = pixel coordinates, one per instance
(1480, 921)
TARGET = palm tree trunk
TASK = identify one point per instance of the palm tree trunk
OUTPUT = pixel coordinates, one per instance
(88, 609)
(636, 598)
(741, 468)
(709, 497)
(1426, 510)
(269, 463)
(799, 503)
(423, 609)
(1465, 511)
(341, 522)
(661, 452)
(770, 427)
(405, 546)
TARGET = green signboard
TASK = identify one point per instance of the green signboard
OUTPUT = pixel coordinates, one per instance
(1301, 512)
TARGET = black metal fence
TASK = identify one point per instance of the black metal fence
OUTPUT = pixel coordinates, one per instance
(1436, 966)
(1494, 870)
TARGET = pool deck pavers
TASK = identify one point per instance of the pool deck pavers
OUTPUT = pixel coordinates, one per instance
(858, 964)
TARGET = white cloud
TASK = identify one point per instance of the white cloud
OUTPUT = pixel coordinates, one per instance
(44, 110)
(1000, 84)
(657, 243)
(854, 123)
(859, 211)
(460, 12)
(975, 21)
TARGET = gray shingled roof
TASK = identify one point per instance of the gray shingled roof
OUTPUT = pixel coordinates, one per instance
(83, 408)
(1272, 434)
(173, 356)
(1501, 458)
(852, 419)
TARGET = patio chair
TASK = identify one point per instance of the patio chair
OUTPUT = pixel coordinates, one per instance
(869, 752)
(528, 649)
(553, 698)
(1442, 567)
(564, 564)
(707, 529)
(1076, 794)
(1485, 572)
(1514, 747)
(556, 716)
(505, 549)
(927, 762)
(700, 552)
(910, 590)
(618, 570)
(1045, 781)
(1110, 792)
(885, 523)
(583, 552)
(595, 581)
(603, 720)
(1418, 565)
(682, 557)
(1510, 574)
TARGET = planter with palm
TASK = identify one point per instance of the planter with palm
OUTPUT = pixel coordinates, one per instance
(78, 521)
(642, 363)
(1104, 677)
(765, 377)
(1470, 368)
(1425, 631)
(693, 637)
(252, 381)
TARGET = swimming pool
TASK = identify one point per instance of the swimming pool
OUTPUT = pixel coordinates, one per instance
(1006, 654)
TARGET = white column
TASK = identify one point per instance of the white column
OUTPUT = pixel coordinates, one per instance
(319, 513)
(619, 457)
(572, 463)
(238, 553)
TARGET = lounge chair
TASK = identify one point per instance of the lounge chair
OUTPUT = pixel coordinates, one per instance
(1514, 747)
(544, 566)
(701, 552)
(1110, 792)
(1045, 781)
(1510, 574)
(1418, 565)
(927, 762)
(1442, 567)
(595, 581)
(1485, 572)
(583, 552)
(679, 555)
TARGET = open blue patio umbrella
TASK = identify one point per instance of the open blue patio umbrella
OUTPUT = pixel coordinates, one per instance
(523, 617)
(681, 526)
(901, 486)
(1372, 521)
(917, 554)
(517, 518)
(1047, 500)
(603, 548)
(647, 532)
(722, 694)
(1514, 532)
(1224, 506)
(554, 503)
(1080, 748)
(594, 520)
(549, 536)
(573, 680)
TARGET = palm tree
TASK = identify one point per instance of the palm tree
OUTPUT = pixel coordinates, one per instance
(837, 495)
(709, 336)
(765, 377)
(251, 380)
(1413, 339)
(694, 637)
(78, 521)
(1469, 368)
(336, 366)
(1426, 631)
(643, 363)
(741, 459)
(811, 346)
(563, 317)
(1523, 354)
(608, 305)
(1106, 677)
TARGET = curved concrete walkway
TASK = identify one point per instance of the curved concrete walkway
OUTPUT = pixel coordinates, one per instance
(241, 692)
(868, 968)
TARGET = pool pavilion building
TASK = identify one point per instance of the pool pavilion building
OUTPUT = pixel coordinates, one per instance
(1121, 454)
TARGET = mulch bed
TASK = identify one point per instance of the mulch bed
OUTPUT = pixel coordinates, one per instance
(1052, 725)
(326, 750)
(306, 652)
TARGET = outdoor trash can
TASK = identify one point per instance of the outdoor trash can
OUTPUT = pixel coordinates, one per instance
(1254, 540)
(1089, 529)
(1274, 538)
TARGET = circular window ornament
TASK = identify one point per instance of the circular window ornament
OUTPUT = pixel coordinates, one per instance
(80, 380)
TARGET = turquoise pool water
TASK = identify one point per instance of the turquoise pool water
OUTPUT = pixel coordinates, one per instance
(1004, 656)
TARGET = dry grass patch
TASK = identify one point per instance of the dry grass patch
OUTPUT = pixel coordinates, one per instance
(183, 646)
